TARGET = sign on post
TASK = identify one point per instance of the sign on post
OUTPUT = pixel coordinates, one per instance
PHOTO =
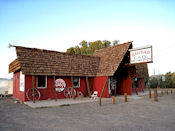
(141, 55)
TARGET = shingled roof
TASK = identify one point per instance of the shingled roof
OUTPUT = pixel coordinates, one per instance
(44, 62)
(14, 66)
(105, 62)
(111, 58)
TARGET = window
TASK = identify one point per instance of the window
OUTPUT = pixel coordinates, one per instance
(76, 82)
(42, 82)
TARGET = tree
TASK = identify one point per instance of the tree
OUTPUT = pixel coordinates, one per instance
(115, 42)
(96, 45)
(77, 50)
(70, 50)
(106, 43)
(84, 47)
(170, 80)
(153, 82)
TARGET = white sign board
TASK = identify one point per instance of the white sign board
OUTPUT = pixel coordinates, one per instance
(22, 82)
(141, 55)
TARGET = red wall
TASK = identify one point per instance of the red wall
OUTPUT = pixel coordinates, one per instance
(16, 83)
(124, 85)
(99, 84)
(48, 93)
(141, 84)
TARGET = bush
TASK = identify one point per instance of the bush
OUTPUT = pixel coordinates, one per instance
(168, 83)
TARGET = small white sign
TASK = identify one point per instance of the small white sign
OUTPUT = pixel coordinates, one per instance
(22, 82)
(60, 85)
(163, 78)
(141, 55)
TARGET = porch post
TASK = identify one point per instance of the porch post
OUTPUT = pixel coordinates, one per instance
(87, 83)
(72, 87)
(55, 93)
(33, 86)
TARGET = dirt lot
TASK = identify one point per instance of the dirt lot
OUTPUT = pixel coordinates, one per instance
(136, 115)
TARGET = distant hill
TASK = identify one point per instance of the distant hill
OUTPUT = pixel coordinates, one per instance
(4, 79)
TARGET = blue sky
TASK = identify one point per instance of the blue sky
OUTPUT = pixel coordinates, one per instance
(60, 24)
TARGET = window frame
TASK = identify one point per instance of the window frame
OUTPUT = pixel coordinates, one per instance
(45, 82)
(78, 82)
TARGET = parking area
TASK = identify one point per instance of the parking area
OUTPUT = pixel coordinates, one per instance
(136, 115)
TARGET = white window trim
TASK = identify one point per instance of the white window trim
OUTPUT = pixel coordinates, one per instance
(45, 83)
(78, 83)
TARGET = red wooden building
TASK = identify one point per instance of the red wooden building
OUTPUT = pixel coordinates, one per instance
(40, 68)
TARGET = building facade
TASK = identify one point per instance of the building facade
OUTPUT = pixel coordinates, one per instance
(42, 69)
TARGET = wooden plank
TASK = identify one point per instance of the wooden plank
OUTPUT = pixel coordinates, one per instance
(103, 91)
(88, 89)
(134, 85)
(72, 87)
(33, 86)
(55, 93)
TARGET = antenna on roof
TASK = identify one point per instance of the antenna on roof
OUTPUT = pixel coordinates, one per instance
(9, 46)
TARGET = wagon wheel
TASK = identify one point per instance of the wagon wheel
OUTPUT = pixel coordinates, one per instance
(68, 92)
(30, 94)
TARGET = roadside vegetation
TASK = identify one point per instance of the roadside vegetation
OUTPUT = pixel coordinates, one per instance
(163, 81)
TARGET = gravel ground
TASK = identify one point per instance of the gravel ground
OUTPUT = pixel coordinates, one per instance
(135, 115)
